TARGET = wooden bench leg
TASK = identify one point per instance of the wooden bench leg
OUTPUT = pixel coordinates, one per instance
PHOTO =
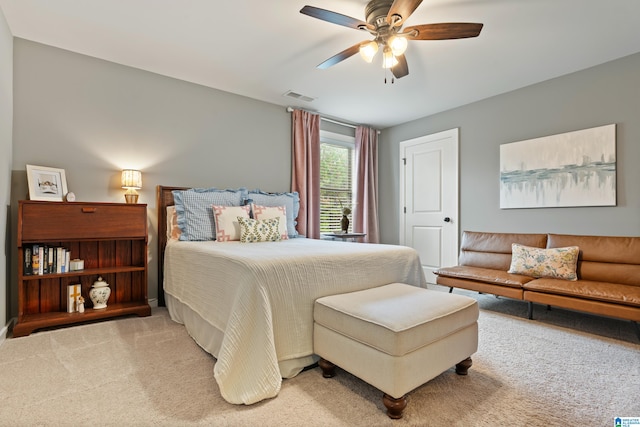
(394, 406)
(328, 368)
(462, 368)
(530, 313)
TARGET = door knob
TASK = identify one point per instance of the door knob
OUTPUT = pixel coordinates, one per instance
(447, 219)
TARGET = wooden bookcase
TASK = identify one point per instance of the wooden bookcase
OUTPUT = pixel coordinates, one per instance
(111, 239)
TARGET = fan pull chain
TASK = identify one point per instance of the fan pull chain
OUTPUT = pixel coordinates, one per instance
(393, 80)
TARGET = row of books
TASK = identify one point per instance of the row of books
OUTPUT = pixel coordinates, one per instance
(44, 259)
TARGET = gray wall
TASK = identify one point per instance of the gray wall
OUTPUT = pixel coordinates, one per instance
(93, 118)
(608, 93)
(6, 126)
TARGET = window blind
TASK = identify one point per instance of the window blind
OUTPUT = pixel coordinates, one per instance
(336, 184)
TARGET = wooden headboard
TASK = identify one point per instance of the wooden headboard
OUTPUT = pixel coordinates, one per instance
(164, 198)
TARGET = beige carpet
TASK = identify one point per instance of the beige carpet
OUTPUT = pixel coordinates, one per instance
(561, 369)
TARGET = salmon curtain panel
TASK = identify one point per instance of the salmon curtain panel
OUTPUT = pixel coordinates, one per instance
(305, 174)
(365, 212)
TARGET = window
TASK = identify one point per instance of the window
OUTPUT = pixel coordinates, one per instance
(336, 179)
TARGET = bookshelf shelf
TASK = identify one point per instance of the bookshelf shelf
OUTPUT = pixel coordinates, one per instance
(85, 272)
(111, 239)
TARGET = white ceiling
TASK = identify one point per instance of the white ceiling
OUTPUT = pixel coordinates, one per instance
(262, 49)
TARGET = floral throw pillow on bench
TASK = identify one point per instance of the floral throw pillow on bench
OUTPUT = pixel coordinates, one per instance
(558, 263)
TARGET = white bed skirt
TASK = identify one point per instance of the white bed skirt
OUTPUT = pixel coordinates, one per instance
(210, 338)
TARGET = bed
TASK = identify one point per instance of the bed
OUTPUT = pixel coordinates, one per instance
(250, 305)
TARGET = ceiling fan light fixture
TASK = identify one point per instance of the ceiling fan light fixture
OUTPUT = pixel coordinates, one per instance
(384, 20)
(398, 45)
(388, 60)
(368, 50)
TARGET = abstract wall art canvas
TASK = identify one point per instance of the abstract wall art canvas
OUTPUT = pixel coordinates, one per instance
(570, 169)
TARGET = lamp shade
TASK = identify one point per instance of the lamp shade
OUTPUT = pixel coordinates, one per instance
(398, 45)
(388, 60)
(368, 50)
(131, 179)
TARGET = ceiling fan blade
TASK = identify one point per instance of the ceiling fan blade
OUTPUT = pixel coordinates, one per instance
(403, 8)
(334, 17)
(401, 69)
(347, 53)
(444, 31)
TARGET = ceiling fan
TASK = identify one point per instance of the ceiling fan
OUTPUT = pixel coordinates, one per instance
(385, 19)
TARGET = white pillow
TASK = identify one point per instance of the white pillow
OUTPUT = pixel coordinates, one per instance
(269, 212)
(226, 218)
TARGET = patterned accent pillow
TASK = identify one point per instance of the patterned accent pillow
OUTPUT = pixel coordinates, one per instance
(291, 201)
(193, 208)
(558, 263)
(255, 230)
(268, 212)
(227, 225)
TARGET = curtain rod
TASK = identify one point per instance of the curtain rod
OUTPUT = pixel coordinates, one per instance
(337, 122)
(290, 110)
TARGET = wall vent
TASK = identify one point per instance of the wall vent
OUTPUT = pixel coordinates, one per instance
(292, 94)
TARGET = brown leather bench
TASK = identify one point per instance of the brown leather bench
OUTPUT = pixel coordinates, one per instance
(608, 272)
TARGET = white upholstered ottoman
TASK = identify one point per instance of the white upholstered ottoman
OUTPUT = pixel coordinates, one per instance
(395, 337)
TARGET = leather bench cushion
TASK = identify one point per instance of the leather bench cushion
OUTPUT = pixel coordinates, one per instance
(598, 291)
(611, 259)
(625, 274)
(396, 319)
(493, 250)
(486, 275)
(606, 249)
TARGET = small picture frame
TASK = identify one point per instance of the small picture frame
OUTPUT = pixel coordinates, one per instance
(49, 184)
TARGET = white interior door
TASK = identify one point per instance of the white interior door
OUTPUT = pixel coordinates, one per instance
(429, 199)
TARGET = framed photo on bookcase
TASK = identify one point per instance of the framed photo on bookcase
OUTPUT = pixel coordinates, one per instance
(45, 183)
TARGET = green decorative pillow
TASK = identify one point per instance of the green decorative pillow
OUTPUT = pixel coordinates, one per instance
(256, 230)
(558, 263)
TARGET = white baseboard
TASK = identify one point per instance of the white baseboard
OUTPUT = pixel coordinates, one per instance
(153, 302)
(5, 330)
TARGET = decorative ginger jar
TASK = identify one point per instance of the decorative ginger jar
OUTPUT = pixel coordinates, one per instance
(99, 294)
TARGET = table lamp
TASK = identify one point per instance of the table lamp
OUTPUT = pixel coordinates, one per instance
(132, 181)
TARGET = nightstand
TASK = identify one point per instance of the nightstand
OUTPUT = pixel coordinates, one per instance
(346, 236)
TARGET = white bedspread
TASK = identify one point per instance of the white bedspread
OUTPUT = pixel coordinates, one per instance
(261, 295)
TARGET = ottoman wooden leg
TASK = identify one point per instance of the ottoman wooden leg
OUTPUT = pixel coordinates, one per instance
(462, 368)
(394, 406)
(328, 368)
